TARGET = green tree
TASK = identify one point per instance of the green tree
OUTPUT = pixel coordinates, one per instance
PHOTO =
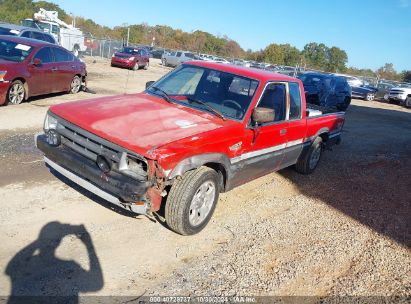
(316, 55)
(337, 59)
(406, 76)
(292, 55)
(274, 54)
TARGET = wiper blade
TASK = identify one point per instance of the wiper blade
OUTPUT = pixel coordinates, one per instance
(207, 106)
(163, 94)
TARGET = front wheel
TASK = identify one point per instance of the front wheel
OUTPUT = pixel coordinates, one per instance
(16, 93)
(136, 66)
(407, 102)
(307, 162)
(369, 97)
(146, 66)
(164, 62)
(192, 200)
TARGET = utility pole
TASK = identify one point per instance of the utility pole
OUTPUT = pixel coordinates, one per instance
(128, 35)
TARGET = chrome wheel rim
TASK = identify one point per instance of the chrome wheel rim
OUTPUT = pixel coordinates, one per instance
(16, 94)
(75, 85)
(370, 97)
(315, 157)
(202, 203)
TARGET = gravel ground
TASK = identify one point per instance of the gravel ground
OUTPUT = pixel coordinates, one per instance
(344, 230)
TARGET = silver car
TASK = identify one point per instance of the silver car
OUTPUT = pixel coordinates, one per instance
(176, 58)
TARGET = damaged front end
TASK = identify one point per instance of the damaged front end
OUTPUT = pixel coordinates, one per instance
(109, 171)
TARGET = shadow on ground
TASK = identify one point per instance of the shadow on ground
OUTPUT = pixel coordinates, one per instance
(367, 177)
(38, 276)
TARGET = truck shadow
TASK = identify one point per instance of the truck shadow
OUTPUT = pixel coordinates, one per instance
(38, 276)
(367, 177)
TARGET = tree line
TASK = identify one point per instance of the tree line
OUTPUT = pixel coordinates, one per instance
(314, 55)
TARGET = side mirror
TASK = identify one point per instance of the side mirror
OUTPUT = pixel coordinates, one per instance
(263, 115)
(149, 83)
(37, 62)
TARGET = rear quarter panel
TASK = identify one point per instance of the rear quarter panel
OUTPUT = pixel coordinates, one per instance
(329, 124)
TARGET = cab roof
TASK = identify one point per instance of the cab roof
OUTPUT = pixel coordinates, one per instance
(261, 75)
(23, 40)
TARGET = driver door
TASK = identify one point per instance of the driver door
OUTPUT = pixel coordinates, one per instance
(41, 80)
(264, 153)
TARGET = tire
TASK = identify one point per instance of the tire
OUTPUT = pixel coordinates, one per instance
(407, 102)
(181, 213)
(146, 66)
(386, 97)
(75, 85)
(369, 97)
(136, 66)
(308, 162)
(164, 62)
(16, 93)
(344, 106)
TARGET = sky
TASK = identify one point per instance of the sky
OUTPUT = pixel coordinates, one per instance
(371, 32)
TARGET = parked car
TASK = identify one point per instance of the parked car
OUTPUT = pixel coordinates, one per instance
(401, 95)
(360, 89)
(176, 58)
(383, 91)
(203, 129)
(326, 90)
(157, 53)
(221, 60)
(31, 67)
(131, 58)
(24, 31)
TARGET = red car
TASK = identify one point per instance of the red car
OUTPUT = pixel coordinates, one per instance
(131, 58)
(203, 129)
(30, 67)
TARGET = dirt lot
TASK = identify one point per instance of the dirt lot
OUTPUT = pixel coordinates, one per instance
(345, 230)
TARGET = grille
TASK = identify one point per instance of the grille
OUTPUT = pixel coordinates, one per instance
(90, 145)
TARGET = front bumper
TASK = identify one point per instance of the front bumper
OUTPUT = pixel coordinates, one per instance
(4, 87)
(113, 187)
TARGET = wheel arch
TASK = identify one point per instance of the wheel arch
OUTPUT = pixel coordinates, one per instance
(216, 161)
(25, 84)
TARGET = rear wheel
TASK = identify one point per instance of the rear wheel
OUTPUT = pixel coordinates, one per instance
(75, 85)
(146, 66)
(192, 200)
(407, 102)
(164, 62)
(136, 66)
(369, 97)
(308, 162)
(16, 93)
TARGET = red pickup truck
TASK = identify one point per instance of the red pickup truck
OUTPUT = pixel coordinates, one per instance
(202, 129)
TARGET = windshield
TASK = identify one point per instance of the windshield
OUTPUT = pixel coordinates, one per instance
(13, 51)
(226, 93)
(131, 51)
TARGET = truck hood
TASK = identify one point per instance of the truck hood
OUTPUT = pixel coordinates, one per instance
(137, 122)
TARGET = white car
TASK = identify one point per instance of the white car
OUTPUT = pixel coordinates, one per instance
(176, 58)
(401, 95)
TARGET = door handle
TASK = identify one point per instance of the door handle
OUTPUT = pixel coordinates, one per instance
(283, 131)
(54, 69)
(73, 66)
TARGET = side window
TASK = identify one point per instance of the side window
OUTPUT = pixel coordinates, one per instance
(26, 34)
(295, 100)
(274, 98)
(45, 55)
(61, 55)
(178, 54)
(38, 36)
(49, 38)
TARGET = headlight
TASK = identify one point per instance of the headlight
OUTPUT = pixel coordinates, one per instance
(132, 167)
(49, 123)
(2, 75)
(131, 58)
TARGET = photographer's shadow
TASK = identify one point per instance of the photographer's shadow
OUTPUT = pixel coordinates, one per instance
(37, 275)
